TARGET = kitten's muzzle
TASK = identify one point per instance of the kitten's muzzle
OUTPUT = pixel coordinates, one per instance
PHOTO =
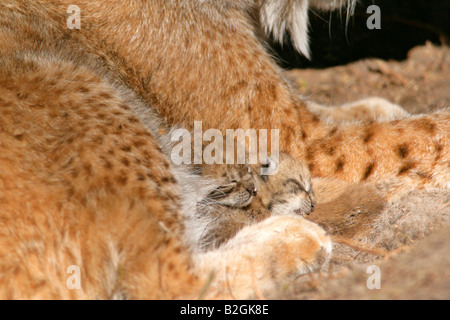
(308, 211)
(252, 190)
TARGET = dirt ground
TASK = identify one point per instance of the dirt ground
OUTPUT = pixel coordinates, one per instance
(420, 84)
(410, 241)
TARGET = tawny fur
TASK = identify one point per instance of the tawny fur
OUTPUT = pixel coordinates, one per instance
(347, 210)
(84, 182)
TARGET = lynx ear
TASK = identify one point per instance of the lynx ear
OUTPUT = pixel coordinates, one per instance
(278, 17)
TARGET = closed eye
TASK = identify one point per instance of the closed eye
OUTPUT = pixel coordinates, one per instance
(222, 191)
(294, 186)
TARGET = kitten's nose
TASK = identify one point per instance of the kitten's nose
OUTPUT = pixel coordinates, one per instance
(252, 190)
(313, 206)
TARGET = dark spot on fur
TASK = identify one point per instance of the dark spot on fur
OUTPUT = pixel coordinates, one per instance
(369, 170)
(406, 167)
(126, 148)
(424, 175)
(402, 150)
(426, 124)
(101, 115)
(105, 95)
(328, 147)
(19, 136)
(340, 165)
(178, 249)
(133, 119)
(368, 135)
(438, 148)
(125, 162)
(139, 143)
(108, 164)
(304, 135)
(169, 180)
(333, 131)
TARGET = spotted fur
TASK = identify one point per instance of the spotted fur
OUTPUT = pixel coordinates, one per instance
(85, 181)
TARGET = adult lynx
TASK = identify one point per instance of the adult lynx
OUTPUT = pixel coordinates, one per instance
(85, 181)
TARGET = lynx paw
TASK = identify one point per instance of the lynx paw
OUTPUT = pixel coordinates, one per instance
(262, 255)
(364, 110)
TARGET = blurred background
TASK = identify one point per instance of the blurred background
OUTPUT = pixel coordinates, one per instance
(406, 62)
(404, 25)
